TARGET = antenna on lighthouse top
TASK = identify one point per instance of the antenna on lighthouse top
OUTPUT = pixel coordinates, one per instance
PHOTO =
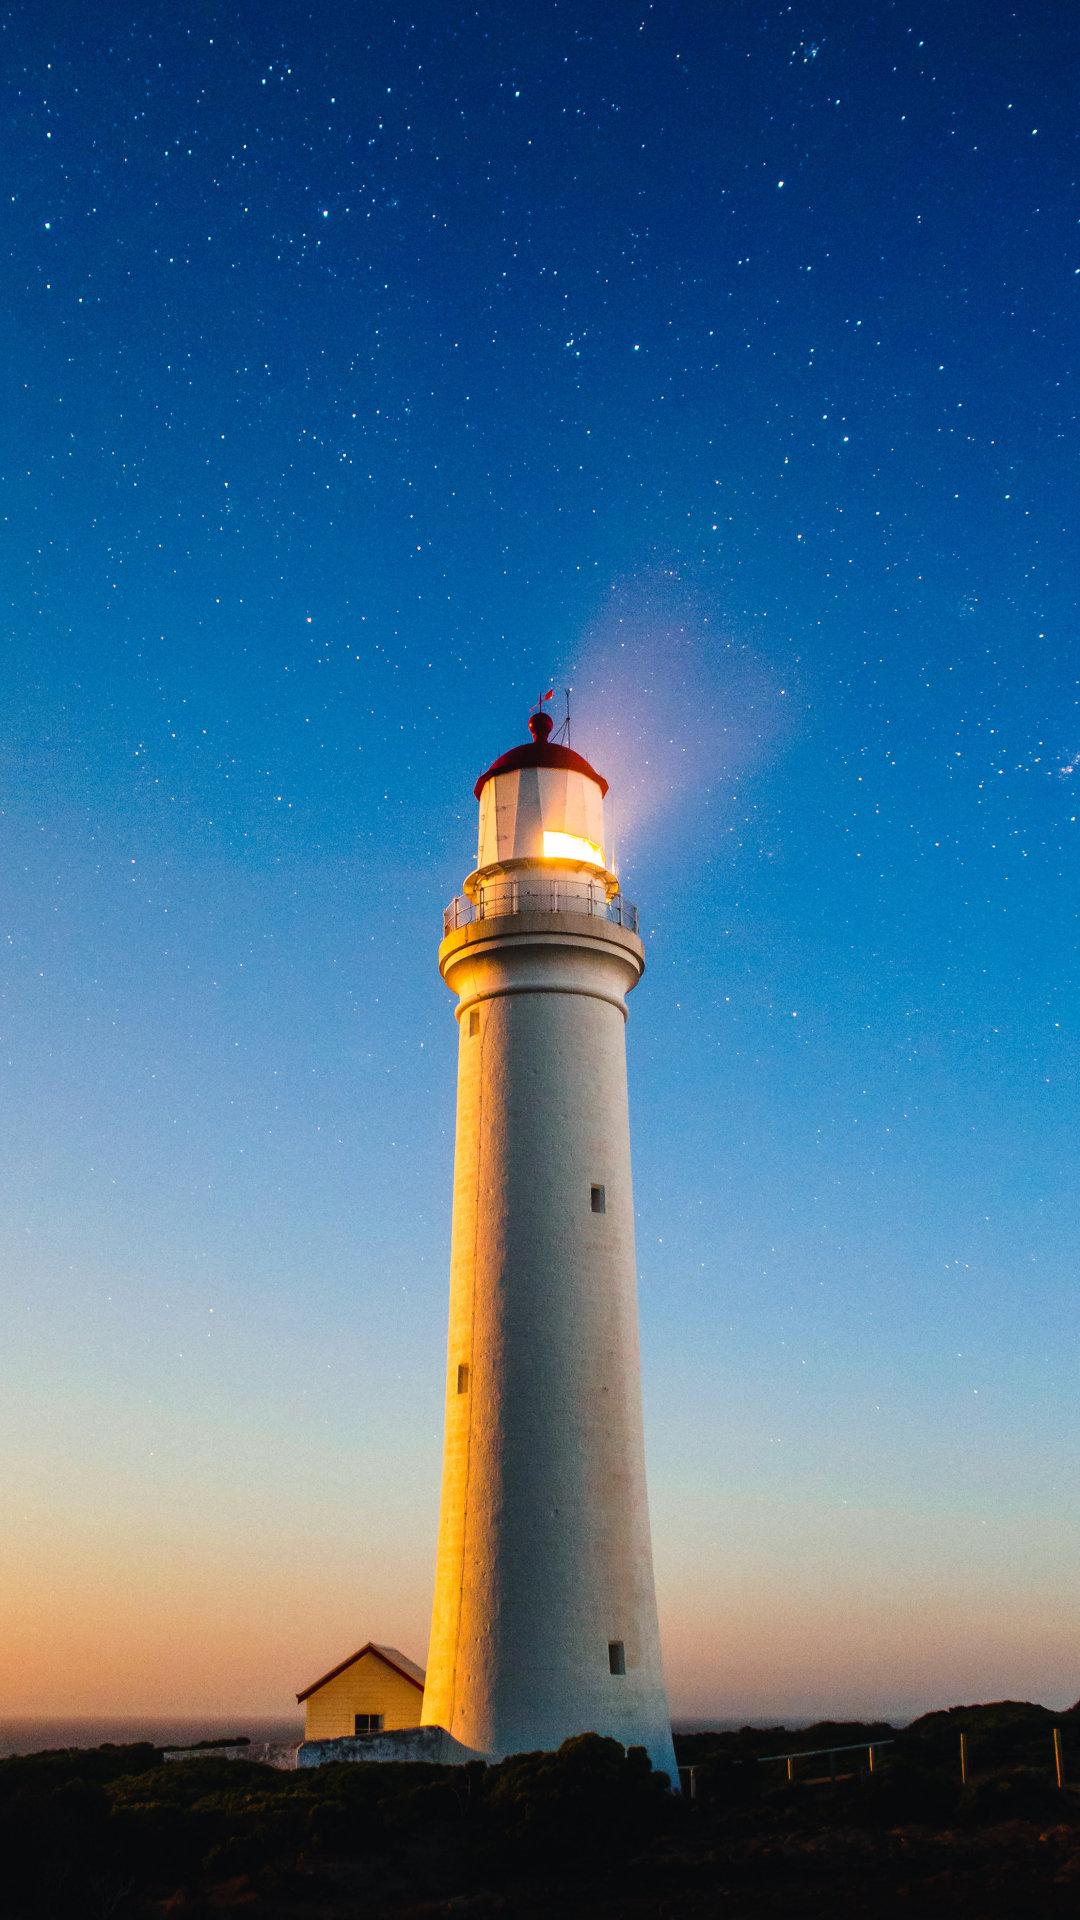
(563, 733)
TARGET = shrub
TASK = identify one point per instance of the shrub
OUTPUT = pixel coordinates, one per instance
(1022, 1793)
(726, 1781)
(588, 1800)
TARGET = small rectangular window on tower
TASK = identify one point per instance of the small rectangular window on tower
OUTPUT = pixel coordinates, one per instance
(599, 1200)
(474, 1021)
(616, 1656)
(463, 1378)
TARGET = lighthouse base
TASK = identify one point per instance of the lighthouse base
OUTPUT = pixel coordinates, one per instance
(431, 1744)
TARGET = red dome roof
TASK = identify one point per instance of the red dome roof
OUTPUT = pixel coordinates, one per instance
(540, 751)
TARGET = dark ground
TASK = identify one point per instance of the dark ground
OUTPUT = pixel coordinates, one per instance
(92, 1834)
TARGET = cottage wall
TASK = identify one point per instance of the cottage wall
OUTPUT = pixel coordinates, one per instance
(368, 1686)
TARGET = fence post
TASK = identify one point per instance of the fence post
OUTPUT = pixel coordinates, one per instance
(963, 1760)
(791, 1766)
(870, 1751)
(1058, 1768)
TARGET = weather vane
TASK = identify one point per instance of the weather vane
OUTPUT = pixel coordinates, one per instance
(538, 707)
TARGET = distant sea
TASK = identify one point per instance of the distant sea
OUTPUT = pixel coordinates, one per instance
(35, 1736)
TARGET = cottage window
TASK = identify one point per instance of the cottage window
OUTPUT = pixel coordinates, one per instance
(369, 1723)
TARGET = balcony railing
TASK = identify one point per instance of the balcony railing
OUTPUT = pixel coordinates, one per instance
(540, 893)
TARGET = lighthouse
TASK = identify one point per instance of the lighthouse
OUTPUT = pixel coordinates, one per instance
(544, 1622)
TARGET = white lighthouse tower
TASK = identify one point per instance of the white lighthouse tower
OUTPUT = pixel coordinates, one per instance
(544, 1621)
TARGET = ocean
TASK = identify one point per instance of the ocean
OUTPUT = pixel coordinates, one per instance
(36, 1736)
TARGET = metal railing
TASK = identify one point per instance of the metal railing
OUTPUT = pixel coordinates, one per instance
(869, 1747)
(540, 893)
(688, 1774)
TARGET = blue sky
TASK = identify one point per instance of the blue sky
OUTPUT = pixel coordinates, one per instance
(364, 377)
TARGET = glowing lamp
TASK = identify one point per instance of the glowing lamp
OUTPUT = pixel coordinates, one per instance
(570, 846)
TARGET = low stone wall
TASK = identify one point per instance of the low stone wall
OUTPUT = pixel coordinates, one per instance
(433, 1744)
(266, 1753)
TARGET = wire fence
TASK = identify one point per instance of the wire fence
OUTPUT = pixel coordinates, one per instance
(831, 1772)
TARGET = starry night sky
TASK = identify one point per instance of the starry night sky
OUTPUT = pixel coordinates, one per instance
(366, 371)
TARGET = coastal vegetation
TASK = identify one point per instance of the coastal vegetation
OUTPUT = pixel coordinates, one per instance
(88, 1834)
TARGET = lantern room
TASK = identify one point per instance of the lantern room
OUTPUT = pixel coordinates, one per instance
(541, 802)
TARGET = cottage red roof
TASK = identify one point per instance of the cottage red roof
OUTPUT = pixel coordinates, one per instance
(407, 1668)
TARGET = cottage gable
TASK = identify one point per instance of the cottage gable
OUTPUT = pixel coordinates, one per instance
(376, 1690)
